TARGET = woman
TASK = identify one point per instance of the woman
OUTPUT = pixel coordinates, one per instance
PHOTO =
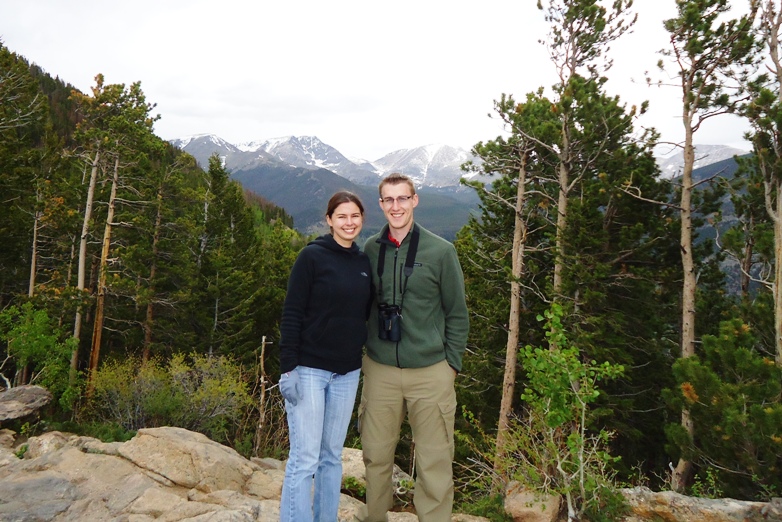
(323, 331)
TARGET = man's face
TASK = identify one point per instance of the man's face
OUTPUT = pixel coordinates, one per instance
(398, 202)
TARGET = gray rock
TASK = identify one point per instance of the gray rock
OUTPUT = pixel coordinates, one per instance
(648, 505)
(161, 475)
(524, 505)
(21, 401)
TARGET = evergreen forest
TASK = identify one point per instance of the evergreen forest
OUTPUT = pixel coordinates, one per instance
(623, 331)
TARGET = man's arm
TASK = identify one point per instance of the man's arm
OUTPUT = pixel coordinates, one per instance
(454, 303)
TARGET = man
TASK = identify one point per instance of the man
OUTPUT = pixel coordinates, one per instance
(417, 336)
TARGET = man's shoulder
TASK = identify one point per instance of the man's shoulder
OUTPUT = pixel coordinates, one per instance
(433, 238)
(371, 241)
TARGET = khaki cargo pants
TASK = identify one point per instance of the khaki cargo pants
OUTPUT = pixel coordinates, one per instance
(427, 397)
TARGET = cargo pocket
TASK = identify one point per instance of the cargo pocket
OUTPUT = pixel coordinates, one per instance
(362, 406)
(448, 414)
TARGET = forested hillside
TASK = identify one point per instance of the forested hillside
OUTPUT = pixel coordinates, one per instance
(119, 250)
(606, 345)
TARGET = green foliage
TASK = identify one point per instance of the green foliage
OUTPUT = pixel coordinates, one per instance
(553, 449)
(706, 485)
(199, 393)
(491, 507)
(35, 342)
(614, 253)
(733, 390)
(103, 431)
(351, 486)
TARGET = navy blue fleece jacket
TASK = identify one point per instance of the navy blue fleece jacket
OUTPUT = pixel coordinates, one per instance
(324, 316)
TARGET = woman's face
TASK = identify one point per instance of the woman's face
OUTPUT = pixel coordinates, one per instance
(345, 223)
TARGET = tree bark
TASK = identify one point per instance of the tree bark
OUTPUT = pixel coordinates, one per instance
(683, 470)
(34, 255)
(101, 295)
(82, 266)
(746, 261)
(512, 347)
(562, 203)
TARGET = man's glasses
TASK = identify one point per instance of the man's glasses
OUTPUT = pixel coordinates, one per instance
(399, 199)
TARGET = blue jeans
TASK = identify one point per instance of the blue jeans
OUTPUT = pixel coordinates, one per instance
(317, 427)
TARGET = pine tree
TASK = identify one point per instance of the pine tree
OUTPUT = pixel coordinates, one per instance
(117, 135)
(23, 112)
(765, 115)
(707, 54)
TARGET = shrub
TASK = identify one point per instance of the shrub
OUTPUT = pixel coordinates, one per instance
(556, 450)
(196, 392)
(553, 449)
(36, 342)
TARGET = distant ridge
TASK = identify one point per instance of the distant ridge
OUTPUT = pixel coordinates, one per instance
(429, 165)
(299, 174)
(671, 164)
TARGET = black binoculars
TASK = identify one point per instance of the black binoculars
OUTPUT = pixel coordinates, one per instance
(389, 322)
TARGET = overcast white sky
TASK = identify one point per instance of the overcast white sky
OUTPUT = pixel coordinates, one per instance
(365, 77)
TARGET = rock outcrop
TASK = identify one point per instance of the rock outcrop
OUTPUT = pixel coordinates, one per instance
(667, 506)
(162, 474)
(172, 475)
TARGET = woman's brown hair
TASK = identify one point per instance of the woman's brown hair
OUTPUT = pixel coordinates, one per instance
(343, 196)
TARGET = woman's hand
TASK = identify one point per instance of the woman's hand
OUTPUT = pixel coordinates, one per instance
(289, 386)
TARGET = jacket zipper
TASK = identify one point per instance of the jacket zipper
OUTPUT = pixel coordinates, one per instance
(396, 256)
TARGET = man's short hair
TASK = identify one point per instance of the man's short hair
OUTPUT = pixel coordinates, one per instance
(395, 178)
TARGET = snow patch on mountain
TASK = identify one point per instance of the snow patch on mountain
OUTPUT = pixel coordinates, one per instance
(671, 162)
(433, 165)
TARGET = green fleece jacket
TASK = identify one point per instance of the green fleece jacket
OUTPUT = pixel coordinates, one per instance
(435, 322)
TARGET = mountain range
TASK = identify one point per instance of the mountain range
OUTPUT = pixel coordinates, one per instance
(434, 166)
(299, 174)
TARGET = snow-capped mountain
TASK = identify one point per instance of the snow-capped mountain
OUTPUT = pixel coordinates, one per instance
(430, 165)
(434, 166)
(309, 152)
(205, 144)
(671, 163)
(202, 146)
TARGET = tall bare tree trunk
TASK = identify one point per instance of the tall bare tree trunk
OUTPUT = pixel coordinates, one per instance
(564, 189)
(771, 21)
(512, 347)
(683, 469)
(82, 268)
(100, 301)
(204, 235)
(215, 317)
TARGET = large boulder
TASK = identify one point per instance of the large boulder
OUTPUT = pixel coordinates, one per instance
(188, 459)
(524, 505)
(22, 401)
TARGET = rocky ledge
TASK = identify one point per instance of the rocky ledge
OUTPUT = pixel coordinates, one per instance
(162, 475)
(172, 474)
